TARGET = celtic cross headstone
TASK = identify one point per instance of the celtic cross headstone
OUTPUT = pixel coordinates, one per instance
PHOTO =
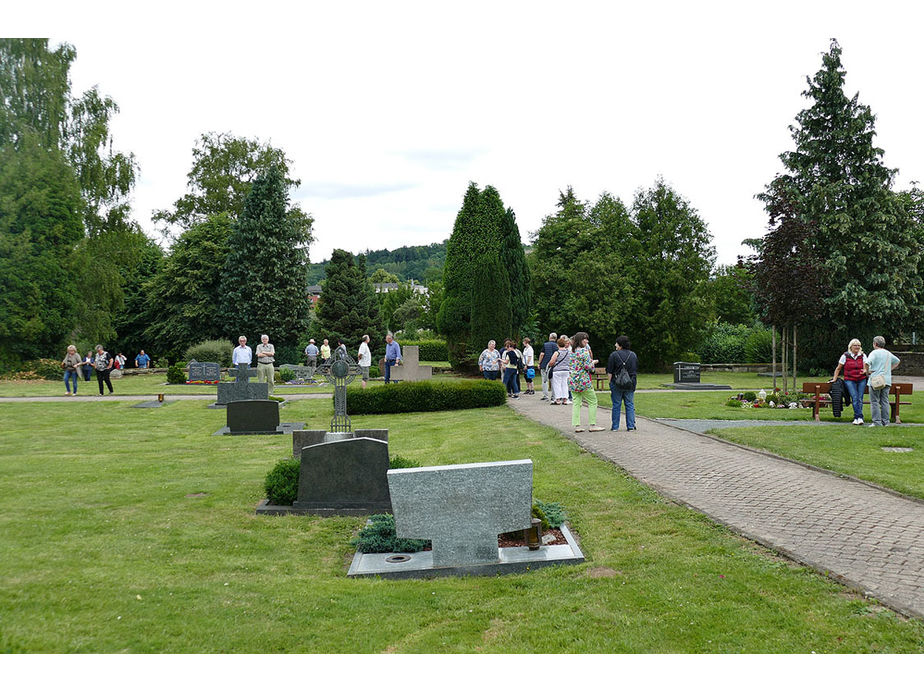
(340, 371)
(243, 374)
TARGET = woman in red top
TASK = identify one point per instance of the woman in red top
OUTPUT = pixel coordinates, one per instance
(854, 377)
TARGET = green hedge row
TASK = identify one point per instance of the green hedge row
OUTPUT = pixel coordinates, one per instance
(427, 395)
(430, 349)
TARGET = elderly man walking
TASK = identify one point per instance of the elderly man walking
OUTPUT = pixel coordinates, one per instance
(879, 365)
(549, 348)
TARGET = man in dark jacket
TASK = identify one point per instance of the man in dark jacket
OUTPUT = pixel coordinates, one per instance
(549, 348)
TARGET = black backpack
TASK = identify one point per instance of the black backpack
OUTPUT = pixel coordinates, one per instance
(621, 378)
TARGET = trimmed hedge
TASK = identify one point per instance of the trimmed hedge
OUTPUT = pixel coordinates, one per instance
(211, 351)
(430, 349)
(427, 395)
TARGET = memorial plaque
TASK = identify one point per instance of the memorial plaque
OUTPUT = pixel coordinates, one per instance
(686, 372)
(203, 372)
(253, 416)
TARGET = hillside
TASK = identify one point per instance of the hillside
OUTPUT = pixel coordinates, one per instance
(418, 262)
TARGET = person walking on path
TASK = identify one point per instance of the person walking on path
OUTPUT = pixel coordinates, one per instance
(559, 369)
(87, 366)
(529, 365)
(854, 377)
(511, 359)
(364, 359)
(392, 355)
(581, 384)
(489, 362)
(266, 355)
(103, 365)
(879, 366)
(623, 358)
(545, 359)
(70, 364)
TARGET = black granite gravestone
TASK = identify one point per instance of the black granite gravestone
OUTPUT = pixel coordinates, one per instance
(686, 372)
(204, 371)
(350, 476)
(253, 416)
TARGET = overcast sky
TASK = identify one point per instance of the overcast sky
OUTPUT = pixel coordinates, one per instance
(389, 109)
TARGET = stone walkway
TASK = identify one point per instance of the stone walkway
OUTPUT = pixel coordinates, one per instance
(863, 536)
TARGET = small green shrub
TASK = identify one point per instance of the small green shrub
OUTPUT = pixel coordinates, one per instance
(749, 396)
(176, 375)
(428, 395)
(41, 369)
(286, 374)
(554, 513)
(734, 403)
(398, 462)
(212, 350)
(281, 484)
(379, 537)
(430, 349)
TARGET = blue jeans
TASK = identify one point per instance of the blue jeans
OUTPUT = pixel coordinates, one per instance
(879, 406)
(490, 375)
(618, 395)
(856, 388)
(68, 375)
(512, 381)
(388, 364)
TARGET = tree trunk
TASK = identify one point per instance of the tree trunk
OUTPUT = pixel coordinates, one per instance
(773, 365)
(785, 367)
(795, 346)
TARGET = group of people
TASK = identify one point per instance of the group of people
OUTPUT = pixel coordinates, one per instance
(566, 366)
(315, 355)
(874, 370)
(100, 362)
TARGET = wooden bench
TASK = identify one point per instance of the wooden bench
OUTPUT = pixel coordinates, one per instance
(895, 391)
(601, 376)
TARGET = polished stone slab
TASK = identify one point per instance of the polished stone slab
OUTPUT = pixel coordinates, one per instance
(462, 508)
(348, 474)
(304, 439)
(234, 392)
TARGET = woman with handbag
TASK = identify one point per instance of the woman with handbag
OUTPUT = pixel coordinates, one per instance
(559, 368)
(879, 366)
(581, 384)
(623, 369)
(854, 377)
(529, 365)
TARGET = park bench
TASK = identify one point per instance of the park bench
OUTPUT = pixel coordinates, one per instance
(601, 378)
(895, 392)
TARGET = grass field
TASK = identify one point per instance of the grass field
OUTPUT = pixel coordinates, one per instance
(108, 546)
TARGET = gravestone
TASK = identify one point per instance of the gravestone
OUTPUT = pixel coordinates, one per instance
(462, 508)
(304, 439)
(254, 416)
(348, 476)
(410, 368)
(241, 389)
(686, 372)
(204, 371)
(301, 372)
(340, 370)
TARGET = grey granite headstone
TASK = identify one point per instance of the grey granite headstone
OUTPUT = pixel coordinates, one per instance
(204, 370)
(253, 416)
(302, 439)
(237, 391)
(462, 508)
(410, 368)
(243, 374)
(345, 474)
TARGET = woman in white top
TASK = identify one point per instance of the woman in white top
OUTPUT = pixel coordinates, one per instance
(529, 361)
(559, 367)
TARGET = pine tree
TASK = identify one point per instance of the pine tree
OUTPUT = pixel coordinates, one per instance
(348, 307)
(837, 190)
(513, 258)
(263, 287)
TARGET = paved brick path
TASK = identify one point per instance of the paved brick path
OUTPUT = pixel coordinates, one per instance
(862, 536)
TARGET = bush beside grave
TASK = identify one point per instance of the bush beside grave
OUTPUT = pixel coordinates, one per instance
(430, 349)
(211, 351)
(379, 537)
(176, 375)
(427, 395)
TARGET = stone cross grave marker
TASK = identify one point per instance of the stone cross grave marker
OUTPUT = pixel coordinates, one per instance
(243, 374)
(340, 370)
(410, 368)
(462, 508)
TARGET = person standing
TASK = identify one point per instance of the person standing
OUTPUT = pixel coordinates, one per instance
(364, 359)
(529, 365)
(325, 351)
(340, 352)
(545, 359)
(854, 377)
(559, 369)
(70, 364)
(87, 366)
(242, 354)
(266, 355)
(511, 359)
(489, 362)
(581, 384)
(121, 360)
(879, 366)
(392, 355)
(142, 360)
(103, 364)
(311, 354)
(623, 357)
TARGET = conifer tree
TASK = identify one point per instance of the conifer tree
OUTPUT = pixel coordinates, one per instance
(348, 307)
(264, 287)
(513, 258)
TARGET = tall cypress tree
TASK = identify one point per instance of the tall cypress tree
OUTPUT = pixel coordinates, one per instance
(838, 190)
(348, 307)
(264, 287)
(513, 259)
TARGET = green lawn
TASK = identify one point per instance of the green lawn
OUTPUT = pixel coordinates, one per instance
(105, 550)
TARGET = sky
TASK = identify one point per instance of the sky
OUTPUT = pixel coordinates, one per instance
(389, 109)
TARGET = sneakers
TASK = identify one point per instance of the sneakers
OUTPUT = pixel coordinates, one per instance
(594, 429)
(578, 429)
(859, 421)
(543, 398)
(516, 397)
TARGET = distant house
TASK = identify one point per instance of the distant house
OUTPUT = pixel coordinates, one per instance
(314, 293)
(385, 287)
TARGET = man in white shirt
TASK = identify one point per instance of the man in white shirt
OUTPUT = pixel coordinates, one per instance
(528, 362)
(364, 359)
(242, 354)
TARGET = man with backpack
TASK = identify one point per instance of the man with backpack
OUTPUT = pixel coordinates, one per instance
(623, 369)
